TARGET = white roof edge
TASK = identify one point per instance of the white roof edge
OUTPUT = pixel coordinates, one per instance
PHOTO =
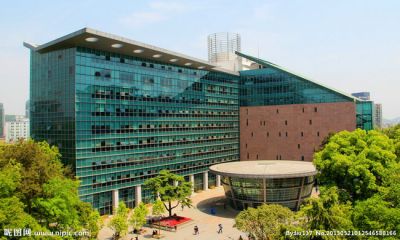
(128, 41)
(31, 46)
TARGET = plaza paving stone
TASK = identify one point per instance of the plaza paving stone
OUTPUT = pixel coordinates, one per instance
(201, 216)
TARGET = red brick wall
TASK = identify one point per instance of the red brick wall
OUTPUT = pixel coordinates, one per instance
(259, 141)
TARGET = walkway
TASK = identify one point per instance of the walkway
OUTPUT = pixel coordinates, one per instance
(207, 223)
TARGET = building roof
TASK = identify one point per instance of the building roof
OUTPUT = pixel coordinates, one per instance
(265, 169)
(94, 39)
(270, 64)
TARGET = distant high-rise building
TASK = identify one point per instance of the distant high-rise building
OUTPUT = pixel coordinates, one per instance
(2, 120)
(18, 129)
(362, 95)
(27, 108)
(221, 50)
(378, 115)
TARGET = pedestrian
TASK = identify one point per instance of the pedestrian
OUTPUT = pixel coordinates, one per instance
(137, 238)
(176, 228)
(219, 228)
(240, 237)
(182, 207)
(196, 230)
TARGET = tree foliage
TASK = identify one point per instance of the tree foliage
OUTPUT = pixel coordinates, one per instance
(356, 161)
(264, 222)
(366, 170)
(170, 188)
(119, 222)
(326, 212)
(138, 218)
(37, 192)
(158, 208)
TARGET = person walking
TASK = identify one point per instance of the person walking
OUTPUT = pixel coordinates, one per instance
(219, 228)
(196, 230)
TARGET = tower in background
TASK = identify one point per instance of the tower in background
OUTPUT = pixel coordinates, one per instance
(221, 50)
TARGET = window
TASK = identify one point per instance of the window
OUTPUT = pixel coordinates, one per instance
(248, 155)
(318, 134)
(279, 134)
(144, 64)
(302, 158)
(97, 74)
(298, 146)
(286, 122)
(286, 134)
(277, 110)
(302, 134)
(247, 122)
(151, 65)
(252, 134)
(310, 122)
(315, 109)
(257, 156)
(179, 70)
(108, 58)
(122, 60)
(303, 109)
(246, 145)
(247, 111)
(267, 134)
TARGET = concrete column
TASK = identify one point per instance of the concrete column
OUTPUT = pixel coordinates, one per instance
(115, 200)
(138, 195)
(218, 180)
(191, 179)
(205, 181)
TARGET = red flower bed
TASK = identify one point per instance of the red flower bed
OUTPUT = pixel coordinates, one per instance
(172, 221)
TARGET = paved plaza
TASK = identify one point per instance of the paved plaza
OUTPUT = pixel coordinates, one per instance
(202, 217)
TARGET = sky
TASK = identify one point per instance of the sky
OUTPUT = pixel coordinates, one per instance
(348, 45)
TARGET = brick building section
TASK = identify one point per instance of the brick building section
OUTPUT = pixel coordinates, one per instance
(291, 132)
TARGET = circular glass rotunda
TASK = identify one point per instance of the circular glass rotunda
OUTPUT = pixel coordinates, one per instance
(252, 183)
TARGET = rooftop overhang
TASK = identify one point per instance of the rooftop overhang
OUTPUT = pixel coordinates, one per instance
(95, 39)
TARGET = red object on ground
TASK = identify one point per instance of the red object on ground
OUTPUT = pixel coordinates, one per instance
(172, 221)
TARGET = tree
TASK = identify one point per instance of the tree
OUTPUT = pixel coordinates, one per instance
(119, 222)
(326, 212)
(158, 209)
(90, 219)
(138, 218)
(37, 192)
(264, 222)
(39, 163)
(170, 188)
(356, 161)
(376, 214)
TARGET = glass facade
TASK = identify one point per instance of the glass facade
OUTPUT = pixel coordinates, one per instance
(365, 114)
(248, 192)
(271, 86)
(118, 120)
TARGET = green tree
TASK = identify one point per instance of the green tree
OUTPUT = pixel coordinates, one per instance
(158, 209)
(164, 186)
(326, 212)
(119, 222)
(265, 222)
(394, 134)
(90, 219)
(376, 214)
(356, 161)
(138, 218)
(39, 163)
(37, 192)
